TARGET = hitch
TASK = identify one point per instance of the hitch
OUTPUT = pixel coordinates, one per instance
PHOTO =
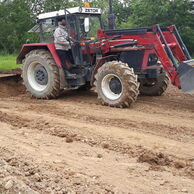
(14, 73)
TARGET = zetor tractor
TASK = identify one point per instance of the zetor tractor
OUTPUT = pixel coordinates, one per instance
(119, 64)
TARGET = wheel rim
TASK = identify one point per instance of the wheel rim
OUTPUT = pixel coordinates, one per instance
(112, 86)
(37, 76)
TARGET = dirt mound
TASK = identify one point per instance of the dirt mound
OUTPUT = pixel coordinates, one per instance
(154, 158)
(161, 159)
(11, 86)
(15, 121)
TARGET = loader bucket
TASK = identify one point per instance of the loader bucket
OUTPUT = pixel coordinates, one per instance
(186, 76)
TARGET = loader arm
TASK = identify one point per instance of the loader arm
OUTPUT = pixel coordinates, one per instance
(179, 57)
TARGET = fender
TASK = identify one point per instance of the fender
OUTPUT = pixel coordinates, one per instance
(26, 48)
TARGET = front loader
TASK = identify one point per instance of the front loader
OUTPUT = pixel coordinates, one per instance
(166, 44)
(119, 64)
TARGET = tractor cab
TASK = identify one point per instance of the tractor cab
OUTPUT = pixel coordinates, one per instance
(82, 25)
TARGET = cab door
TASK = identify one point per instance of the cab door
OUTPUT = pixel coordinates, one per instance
(73, 33)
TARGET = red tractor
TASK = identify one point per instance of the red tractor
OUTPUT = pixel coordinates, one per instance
(119, 64)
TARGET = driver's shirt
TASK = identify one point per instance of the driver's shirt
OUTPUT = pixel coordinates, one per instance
(60, 38)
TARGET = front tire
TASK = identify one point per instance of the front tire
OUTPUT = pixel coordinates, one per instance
(41, 74)
(116, 84)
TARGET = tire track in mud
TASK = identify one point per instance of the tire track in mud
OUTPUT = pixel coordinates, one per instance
(159, 128)
(168, 130)
(65, 108)
(156, 159)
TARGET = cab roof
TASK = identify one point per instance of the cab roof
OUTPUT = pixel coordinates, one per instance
(74, 10)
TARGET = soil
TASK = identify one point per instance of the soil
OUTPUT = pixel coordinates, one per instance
(75, 145)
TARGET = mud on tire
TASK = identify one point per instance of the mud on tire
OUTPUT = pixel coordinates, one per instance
(41, 75)
(116, 84)
(157, 88)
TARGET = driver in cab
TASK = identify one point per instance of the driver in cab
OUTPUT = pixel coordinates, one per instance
(62, 45)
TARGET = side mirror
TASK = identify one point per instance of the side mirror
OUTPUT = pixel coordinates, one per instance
(87, 25)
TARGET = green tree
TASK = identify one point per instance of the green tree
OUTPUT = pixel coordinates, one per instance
(165, 12)
(18, 16)
(16, 19)
(122, 10)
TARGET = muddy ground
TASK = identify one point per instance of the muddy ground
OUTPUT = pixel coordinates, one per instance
(75, 145)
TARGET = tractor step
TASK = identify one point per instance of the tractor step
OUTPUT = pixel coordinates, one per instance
(79, 80)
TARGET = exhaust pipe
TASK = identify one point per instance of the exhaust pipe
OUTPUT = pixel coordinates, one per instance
(111, 17)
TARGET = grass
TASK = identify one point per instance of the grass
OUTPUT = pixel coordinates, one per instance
(8, 62)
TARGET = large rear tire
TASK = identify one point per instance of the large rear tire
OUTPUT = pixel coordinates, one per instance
(155, 88)
(41, 75)
(116, 84)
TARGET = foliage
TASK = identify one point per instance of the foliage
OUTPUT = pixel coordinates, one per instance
(15, 19)
(122, 10)
(18, 16)
(165, 12)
